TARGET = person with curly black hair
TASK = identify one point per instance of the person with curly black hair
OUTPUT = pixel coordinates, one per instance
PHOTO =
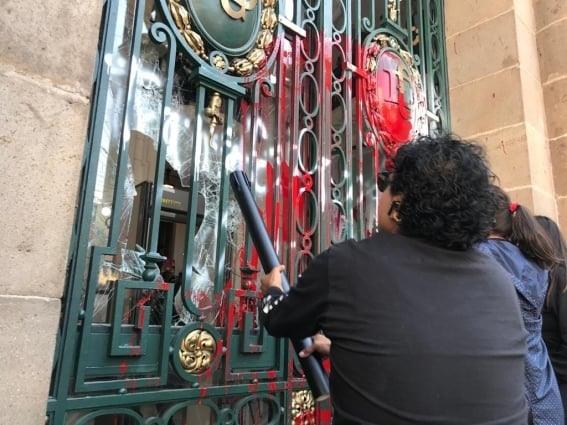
(443, 183)
(421, 327)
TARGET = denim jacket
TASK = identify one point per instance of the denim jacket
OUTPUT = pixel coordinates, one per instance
(531, 283)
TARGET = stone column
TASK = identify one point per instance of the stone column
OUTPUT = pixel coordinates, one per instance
(551, 30)
(496, 94)
(46, 62)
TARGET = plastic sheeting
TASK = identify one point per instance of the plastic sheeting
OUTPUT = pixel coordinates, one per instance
(178, 131)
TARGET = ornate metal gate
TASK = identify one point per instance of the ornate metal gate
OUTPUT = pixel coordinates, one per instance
(311, 98)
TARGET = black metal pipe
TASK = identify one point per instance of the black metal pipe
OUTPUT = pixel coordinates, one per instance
(312, 368)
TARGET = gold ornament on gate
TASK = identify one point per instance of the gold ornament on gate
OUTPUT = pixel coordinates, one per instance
(181, 18)
(265, 40)
(219, 62)
(214, 112)
(269, 19)
(393, 10)
(242, 66)
(303, 408)
(257, 57)
(240, 12)
(197, 351)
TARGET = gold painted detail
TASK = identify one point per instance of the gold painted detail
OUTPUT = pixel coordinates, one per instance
(242, 66)
(183, 22)
(393, 10)
(243, 6)
(265, 40)
(269, 19)
(214, 111)
(303, 408)
(197, 351)
(219, 62)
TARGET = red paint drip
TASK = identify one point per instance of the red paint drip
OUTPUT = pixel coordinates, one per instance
(324, 416)
(327, 365)
(162, 286)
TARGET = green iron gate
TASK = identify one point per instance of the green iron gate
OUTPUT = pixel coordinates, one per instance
(311, 98)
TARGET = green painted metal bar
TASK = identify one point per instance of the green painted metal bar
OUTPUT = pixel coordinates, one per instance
(357, 133)
(160, 33)
(427, 56)
(408, 10)
(220, 257)
(369, 24)
(279, 153)
(193, 199)
(348, 91)
(294, 151)
(445, 106)
(250, 165)
(298, 67)
(170, 395)
(118, 197)
(324, 69)
(421, 52)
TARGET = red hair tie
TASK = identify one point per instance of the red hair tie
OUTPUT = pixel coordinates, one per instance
(513, 207)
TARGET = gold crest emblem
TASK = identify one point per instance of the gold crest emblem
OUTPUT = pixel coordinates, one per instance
(240, 12)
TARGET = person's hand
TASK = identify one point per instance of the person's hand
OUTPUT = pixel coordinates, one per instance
(272, 279)
(321, 345)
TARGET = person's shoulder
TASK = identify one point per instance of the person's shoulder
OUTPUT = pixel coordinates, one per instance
(511, 257)
(345, 247)
(376, 240)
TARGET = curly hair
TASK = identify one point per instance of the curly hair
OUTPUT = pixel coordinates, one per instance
(445, 184)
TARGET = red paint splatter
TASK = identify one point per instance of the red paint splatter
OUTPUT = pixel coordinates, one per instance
(324, 416)
(327, 365)
(162, 286)
(272, 387)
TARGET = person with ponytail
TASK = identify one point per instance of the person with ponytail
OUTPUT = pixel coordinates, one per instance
(519, 244)
(555, 309)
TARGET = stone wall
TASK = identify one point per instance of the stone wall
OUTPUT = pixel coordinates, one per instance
(551, 34)
(46, 63)
(497, 96)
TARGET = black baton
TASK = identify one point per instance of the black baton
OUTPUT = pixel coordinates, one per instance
(312, 368)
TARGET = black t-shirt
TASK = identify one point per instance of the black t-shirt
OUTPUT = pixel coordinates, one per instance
(420, 334)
